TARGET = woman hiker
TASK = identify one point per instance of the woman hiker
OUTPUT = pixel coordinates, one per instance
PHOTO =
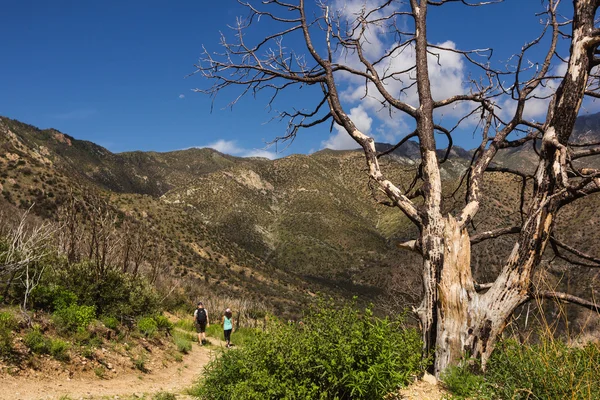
(227, 326)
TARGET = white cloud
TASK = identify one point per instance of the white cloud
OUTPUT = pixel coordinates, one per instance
(224, 146)
(231, 147)
(447, 72)
(182, 96)
(350, 10)
(448, 75)
(341, 140)
(271, 155)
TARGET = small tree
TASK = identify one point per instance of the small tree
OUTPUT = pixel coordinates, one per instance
(21, 258)
(336, 40)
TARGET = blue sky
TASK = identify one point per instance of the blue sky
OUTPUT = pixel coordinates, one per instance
(113, 72)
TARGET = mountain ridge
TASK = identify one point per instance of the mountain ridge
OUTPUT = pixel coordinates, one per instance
(272, 229)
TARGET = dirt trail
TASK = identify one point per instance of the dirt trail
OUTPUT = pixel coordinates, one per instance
(174, 379)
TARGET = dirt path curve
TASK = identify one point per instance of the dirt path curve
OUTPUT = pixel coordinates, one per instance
(174, 379)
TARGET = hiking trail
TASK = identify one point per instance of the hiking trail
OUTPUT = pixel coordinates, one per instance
(174, 378)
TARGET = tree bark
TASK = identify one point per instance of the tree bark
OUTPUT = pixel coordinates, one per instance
(468, 323)
(457, 298)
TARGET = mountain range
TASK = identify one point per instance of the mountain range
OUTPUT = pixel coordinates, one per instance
(275, 231)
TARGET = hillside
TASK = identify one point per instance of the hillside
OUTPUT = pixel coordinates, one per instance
(132, 172)
(275, 231)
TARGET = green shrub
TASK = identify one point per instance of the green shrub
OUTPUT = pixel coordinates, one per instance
(163, 324)
(52, 297)
(545, 371)
(548, 370)
(147, 326)
(188, 325)
(86, 337)
(59, 349)
(114, 293)
(214, 330)
(8, 323)
(87, 351)
(243, 336)
(100, 372)
(140, 363)
(73, 318)
(335, 354)
(183, 343)
(37, 342)
(464, 383)
(110, 322)
(117, 294)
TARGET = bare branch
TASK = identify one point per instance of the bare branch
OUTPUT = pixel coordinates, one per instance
(480, 237)
(574, 251)
(569, 298)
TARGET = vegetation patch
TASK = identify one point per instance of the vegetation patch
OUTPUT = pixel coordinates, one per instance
(547, 370)
(7, 324)
(183, 343)
(147, 326)
(334, 353)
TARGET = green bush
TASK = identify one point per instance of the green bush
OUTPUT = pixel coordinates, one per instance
(214, 330)
(100, 371)
(548, 370)
(183, 343)
(140, 363)
(335, 354)
(73, 318)
(59, 349)
(115, 293)
(52, 297)
(110, 322)
(464, 383)
(147, 326)
(545, 371)
(163, 324)
(243, 336)
(187, 324)
(8, 323)
(37, 342)
(86, 337)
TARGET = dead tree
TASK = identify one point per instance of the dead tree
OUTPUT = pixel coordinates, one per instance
(140, 247)
(27, 244)
(319, 47)
(70, 237)
(158, 260)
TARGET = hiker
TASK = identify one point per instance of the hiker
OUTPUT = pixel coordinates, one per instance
(201, 321)
(227, 326)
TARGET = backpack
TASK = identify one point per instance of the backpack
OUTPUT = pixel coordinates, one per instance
(201, 316)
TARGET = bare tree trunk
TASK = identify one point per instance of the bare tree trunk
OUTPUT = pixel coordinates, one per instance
(461, 320)
(457, 312)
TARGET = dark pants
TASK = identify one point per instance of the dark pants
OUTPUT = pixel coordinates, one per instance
(227, 333)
